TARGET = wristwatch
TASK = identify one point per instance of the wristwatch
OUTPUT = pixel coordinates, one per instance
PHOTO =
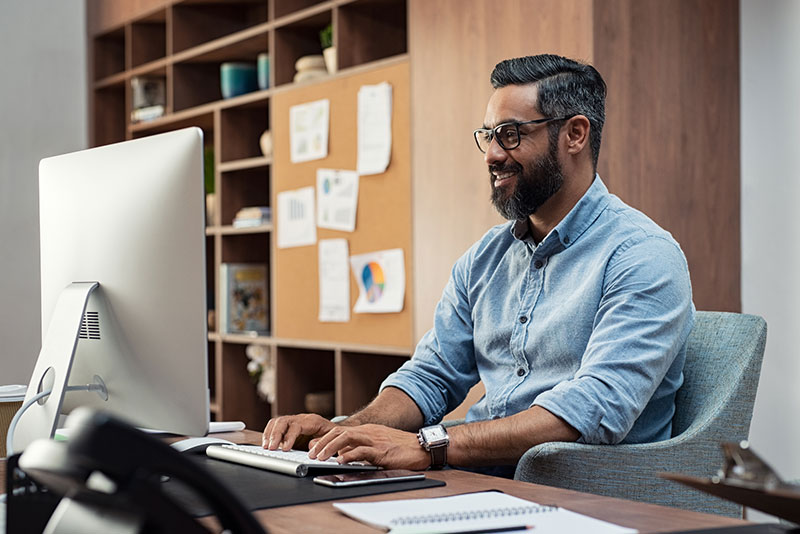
(435, 440)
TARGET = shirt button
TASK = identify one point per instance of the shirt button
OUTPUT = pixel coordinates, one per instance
(566, 239)
(538, 264)
(520, 371)
(523, 319)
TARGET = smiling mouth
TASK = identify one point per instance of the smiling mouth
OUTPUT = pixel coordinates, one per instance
(502, 178)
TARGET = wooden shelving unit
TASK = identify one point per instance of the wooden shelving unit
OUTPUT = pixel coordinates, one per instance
(185, 42)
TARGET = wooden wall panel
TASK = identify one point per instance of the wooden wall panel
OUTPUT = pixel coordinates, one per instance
(103, 15)
(454, 44)
(383, 220)
(671, 141)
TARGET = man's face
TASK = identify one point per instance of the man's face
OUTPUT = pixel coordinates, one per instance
(525, 177)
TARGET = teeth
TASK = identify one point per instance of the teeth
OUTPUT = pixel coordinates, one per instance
(504, 175)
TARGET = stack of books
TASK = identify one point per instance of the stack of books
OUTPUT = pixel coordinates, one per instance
(252, 216)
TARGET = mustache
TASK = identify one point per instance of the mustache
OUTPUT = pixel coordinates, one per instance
(508, 167)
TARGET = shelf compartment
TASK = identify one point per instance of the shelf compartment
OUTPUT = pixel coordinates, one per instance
(238, 398)
(194, 23)
(196, 76)
(195, 84)
(109, 115)
(241, 46)
(109, 54)
(366, 370)
(241, 128)
(249, 187)
(374, 29)
(246, 248)
(285, 7)
(301, 371)
(297, 39)
(148, 39)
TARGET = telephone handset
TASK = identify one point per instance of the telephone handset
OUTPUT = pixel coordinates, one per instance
(110, 472)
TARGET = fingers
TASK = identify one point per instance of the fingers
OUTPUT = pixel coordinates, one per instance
(292, 432)
(282, 432)
(340, 440)
(358, 454)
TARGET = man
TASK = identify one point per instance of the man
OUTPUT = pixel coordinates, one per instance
(574, 315)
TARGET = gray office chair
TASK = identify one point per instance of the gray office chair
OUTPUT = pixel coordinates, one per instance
(715, 404)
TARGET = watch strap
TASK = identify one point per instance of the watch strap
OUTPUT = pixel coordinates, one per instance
(438, 456)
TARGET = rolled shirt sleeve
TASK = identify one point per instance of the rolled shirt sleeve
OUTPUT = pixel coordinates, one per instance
(443, 368)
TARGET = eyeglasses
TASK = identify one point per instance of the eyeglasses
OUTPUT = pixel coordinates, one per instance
(506, 134)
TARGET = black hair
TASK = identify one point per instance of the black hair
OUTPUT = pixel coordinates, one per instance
(565, 88)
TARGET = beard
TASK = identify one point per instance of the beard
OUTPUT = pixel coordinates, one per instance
(535, 184)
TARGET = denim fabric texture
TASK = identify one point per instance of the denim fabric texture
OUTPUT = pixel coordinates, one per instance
(714, 405)
(591, 324)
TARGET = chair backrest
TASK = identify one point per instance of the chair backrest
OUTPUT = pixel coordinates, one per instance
(723, 365)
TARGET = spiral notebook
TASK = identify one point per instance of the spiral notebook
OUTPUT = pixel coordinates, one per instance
(474, 512)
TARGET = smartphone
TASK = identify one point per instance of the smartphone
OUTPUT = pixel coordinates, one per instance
(344, 480)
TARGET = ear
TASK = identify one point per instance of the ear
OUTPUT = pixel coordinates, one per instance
(577, 134)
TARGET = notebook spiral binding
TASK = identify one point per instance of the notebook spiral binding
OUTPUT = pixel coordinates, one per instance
(471, 515)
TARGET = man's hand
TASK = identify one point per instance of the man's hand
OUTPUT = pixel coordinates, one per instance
(283, 431)
(377, 444)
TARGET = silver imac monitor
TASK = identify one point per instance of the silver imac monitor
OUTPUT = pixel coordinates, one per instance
(122, 231)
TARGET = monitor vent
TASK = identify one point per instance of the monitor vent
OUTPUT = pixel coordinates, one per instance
(90, 326)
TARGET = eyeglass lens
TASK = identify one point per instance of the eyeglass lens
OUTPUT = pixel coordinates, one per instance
(507, 136)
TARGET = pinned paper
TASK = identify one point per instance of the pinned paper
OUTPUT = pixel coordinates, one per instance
(308, 130)
(296, 218)
(337, 199)
(374, 128)
(381, 278)
(334, 281)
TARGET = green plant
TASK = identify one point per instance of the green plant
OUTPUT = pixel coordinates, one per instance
(326, 36)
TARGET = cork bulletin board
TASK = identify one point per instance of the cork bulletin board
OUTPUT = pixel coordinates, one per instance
(383, 219)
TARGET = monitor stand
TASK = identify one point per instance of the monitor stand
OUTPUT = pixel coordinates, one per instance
(53, 366)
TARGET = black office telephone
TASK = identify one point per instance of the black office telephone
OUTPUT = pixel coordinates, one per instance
(110, 475)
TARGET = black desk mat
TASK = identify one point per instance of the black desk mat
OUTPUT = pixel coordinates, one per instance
(257, 488)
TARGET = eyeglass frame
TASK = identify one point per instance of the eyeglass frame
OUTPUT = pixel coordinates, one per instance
(516, 125)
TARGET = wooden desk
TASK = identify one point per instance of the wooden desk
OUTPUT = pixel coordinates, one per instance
(322, 517)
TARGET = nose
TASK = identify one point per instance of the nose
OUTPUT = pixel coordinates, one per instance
(495, 153)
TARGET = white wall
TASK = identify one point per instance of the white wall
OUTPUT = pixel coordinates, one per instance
(770, 73)
(43, 112)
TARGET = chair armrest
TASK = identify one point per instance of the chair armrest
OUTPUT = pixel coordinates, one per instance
(453, 422)
(625, 471)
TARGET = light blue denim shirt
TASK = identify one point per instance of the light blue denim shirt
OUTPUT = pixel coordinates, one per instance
(591, 325)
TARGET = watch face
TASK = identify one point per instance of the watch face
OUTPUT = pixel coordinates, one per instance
(434, 433)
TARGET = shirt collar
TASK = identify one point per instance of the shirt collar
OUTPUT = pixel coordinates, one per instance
(576, 222)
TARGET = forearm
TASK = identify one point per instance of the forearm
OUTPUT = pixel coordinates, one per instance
(393, 408)
(504, 441)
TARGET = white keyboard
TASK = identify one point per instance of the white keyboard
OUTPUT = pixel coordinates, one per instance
(295, 463)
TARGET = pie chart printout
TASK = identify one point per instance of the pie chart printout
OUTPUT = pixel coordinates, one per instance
(374, 281)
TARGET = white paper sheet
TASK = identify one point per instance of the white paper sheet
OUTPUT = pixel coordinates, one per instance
(334, 281)
(337, 199)
(374, 128)
(308, 130)
(474, 512)
(381, 278)
(296, 218)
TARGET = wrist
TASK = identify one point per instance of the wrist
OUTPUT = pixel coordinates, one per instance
(435, 441)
